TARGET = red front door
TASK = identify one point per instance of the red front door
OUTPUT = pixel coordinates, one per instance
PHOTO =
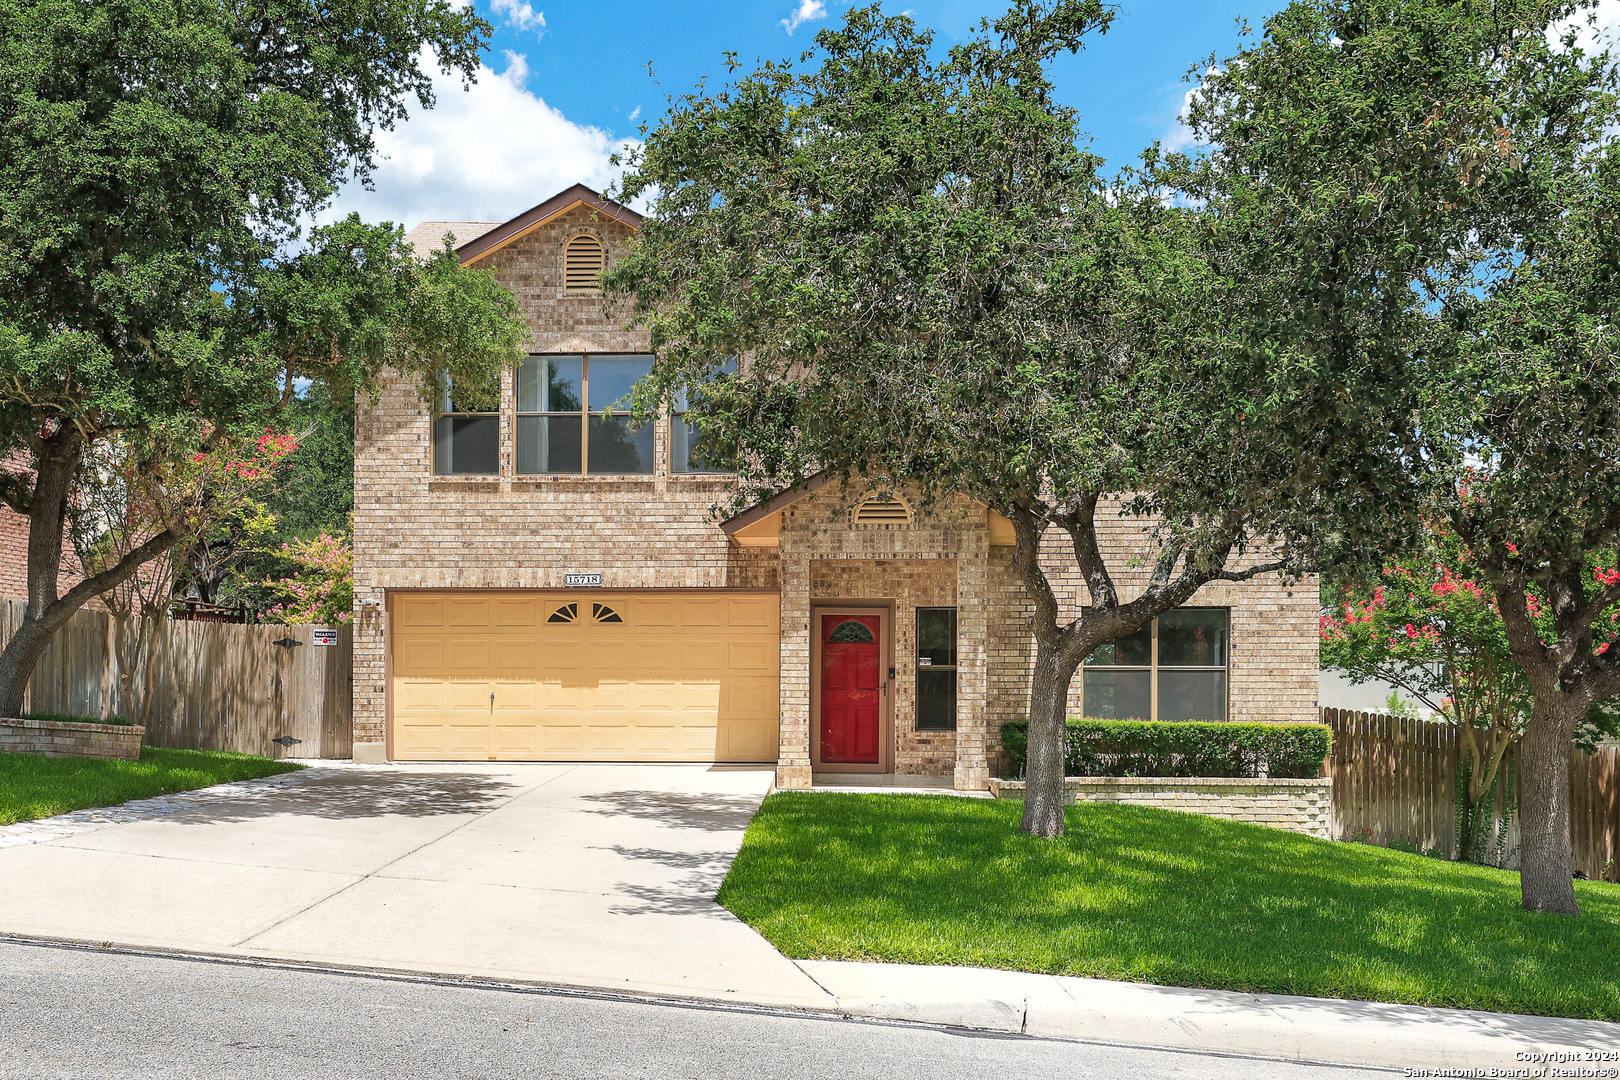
(851, 689)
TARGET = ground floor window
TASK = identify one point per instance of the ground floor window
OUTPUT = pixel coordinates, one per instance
(1173, 669)
(936, 669)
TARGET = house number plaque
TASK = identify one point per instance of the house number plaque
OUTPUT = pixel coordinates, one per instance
(575, 581)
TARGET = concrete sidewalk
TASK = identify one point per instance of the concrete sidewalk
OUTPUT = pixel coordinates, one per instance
(1259, 1025)
(602, 878)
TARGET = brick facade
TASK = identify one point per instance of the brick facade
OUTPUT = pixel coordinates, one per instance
(14, 546)
(1302, 806)
(414, 530)
(55, 738)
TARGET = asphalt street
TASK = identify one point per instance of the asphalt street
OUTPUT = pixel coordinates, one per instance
(91, 1013)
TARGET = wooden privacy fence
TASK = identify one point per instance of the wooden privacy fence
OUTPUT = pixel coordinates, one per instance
(1395, 783)
(214, 685)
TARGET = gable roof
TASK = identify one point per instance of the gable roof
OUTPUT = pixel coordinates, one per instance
(762, 524)
(426, 237)
(494, 239)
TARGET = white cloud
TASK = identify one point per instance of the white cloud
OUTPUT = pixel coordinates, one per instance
(1180, 136)
(1594, 28)
(486, 154)
(807, 11)
(519, 14)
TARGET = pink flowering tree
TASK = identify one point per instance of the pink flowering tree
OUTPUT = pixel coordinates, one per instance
(322, 589)
(132, 492)
(1429, 627)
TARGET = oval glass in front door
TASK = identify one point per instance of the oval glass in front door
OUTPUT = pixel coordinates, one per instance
(851, 689)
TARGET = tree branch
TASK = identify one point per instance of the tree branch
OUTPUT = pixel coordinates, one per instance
(1251, 572)
(114, 575)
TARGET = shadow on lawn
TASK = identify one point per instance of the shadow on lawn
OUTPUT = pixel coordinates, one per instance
(1154, 896)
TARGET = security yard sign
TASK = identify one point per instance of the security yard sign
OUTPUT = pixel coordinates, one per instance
(326, 637)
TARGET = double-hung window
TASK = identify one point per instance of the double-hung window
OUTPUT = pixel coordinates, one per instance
(560, 423)
(1173, 669)
(466, 440)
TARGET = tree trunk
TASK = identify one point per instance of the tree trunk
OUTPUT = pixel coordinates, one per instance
(1545, 880)
(1044, 790)
(56, 462)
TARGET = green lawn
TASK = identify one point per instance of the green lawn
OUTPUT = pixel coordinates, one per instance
(34, 787)
(1155, 896)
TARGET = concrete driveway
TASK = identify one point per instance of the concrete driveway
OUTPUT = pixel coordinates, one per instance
(599, 876)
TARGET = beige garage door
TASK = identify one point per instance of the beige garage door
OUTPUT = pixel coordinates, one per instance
(516, 676)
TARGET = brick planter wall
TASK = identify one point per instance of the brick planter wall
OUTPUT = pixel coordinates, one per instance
(56, 739)
(1302, 806)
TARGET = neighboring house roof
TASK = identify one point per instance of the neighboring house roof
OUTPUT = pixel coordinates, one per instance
(761, 525)
(429, 236)
(496, 238)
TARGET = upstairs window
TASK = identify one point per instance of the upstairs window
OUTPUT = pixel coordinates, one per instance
(465, 440)
(1173, 669)
(560, 426)
(583, 260)
(688, 452)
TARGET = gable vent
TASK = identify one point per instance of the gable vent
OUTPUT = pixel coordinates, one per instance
(883, 509)
(583, 259)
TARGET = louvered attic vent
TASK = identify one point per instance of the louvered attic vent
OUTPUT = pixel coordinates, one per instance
(583, 259)
(882, 509)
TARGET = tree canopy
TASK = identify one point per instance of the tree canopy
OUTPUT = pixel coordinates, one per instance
(1425, 191)
(930, 285)
(156, 163)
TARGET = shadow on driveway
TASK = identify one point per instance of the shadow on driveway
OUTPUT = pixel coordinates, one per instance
(708, 812)
(351, 795)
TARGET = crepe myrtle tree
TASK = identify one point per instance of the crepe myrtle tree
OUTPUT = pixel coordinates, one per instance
(1429, 187)
(156, 160)
(929, 286)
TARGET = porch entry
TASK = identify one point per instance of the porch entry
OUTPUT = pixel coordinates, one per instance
(854, 687)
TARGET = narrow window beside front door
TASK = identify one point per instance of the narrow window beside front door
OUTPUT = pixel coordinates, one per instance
(936, 669)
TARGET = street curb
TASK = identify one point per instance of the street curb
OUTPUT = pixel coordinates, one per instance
(632, 997)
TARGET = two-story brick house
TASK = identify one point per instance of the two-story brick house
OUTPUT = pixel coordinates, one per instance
(543, 583)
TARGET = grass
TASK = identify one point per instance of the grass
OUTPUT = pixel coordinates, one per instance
(1155, 896)
(32, 786)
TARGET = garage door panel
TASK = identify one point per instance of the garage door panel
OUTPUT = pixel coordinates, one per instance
(418, 611)
(517, 612)
(703, 611)
(753, 612)
(468, 611)
(752, 655)
(688, 677)
(662, 611)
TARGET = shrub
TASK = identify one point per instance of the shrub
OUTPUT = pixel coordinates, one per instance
(1160, 748)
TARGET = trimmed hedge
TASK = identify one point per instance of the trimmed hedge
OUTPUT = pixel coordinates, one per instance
(1161, 748)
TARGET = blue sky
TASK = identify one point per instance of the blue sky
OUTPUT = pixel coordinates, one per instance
(566, 84)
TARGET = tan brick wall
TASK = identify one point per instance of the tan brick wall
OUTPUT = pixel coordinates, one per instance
(56, 739)
(936, 560)
(1302, 806)
(414, 530)
(1273, 661)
